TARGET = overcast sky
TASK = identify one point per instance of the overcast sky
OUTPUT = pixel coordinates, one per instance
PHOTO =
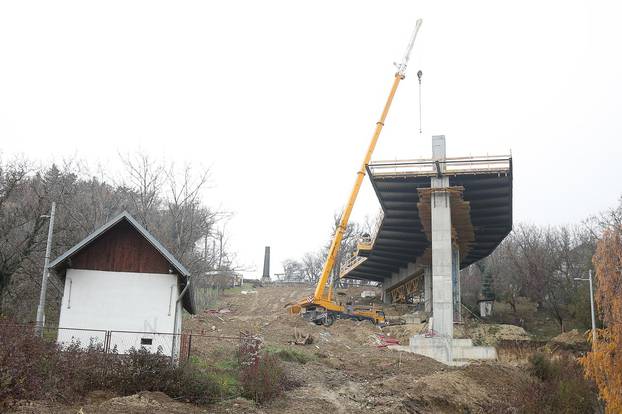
(280, 98)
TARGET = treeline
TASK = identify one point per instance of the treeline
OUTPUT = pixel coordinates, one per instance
(541, 264)
(168, 201)
(308, 268)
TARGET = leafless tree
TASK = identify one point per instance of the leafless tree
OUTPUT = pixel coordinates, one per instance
(540, 263)
(21, 223)
(145, 177)
(169, 204)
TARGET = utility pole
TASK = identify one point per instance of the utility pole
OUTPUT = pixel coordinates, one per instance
(46, 273)
(591, 304)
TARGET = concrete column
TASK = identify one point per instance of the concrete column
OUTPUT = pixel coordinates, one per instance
(455, 284)
(427, 288)
(386, 297)
(442, 256)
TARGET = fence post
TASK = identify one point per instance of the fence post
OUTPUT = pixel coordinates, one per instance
(107, 338)
(189, 346)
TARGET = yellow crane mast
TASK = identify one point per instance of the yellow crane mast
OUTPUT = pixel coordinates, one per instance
(321, 308)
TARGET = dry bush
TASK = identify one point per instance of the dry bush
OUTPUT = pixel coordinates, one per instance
(559, 387)
(262, 376)
(264, 380)
(33, 369)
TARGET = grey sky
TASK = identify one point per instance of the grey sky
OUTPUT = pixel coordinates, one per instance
(280, 98)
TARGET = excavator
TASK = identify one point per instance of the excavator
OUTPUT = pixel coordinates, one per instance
(321, 307)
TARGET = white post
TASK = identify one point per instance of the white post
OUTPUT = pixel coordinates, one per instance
(44, 282)
(592, 305)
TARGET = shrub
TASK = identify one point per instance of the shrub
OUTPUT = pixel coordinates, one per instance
(262, 376)
(264, 380)
(31, 368)
(560, 387)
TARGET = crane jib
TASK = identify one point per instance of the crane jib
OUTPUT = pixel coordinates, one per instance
(345, 216)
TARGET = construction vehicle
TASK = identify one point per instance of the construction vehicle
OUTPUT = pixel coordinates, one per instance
(321, 308)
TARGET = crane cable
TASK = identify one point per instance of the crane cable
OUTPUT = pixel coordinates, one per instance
(419, 75)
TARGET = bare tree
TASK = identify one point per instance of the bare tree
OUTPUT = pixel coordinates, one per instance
(21, 224)
(170, 205)
(145, 178)
(540, 263)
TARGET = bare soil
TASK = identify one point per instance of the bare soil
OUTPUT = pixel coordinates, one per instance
(346, 371)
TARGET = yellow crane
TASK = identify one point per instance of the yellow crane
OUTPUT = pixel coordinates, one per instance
(320, 307)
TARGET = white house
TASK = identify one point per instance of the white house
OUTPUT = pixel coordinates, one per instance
(123, 289)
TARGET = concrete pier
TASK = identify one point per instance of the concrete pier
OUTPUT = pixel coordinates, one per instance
(427, 288)
(442, 249)
(440, 215)
(455, 284)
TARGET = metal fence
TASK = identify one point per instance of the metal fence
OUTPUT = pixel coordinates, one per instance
(179, 347)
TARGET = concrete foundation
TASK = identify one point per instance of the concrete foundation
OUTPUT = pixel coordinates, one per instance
(417, 317)
(450, 351)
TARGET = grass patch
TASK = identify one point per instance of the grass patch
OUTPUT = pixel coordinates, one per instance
(237, 289)
(289, 354)
(224, 374)
(227, 382)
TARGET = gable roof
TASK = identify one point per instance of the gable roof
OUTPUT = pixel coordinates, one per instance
(188, 299)
(143, 231)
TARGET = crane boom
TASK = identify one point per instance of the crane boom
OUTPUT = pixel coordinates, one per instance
(345, 216)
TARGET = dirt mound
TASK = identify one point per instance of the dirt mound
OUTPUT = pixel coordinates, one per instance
(573, 338)
(144, 399)
(492, 334)
(573, 341)
(144, 402)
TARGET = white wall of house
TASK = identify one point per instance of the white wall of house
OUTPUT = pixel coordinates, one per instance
(119, 301)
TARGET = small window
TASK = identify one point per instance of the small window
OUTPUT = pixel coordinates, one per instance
(146, 341)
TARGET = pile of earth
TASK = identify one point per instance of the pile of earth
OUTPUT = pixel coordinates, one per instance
(571, 340)
(492, 334)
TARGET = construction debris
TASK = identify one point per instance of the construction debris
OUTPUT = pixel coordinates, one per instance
(382, 341)
(301, 339)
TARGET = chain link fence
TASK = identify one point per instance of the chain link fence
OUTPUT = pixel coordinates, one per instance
(179, 347)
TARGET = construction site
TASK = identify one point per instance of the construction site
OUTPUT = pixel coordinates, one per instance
(439, 307)
(439, 215)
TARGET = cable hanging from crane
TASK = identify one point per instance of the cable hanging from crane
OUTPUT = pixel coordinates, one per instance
(419, 75)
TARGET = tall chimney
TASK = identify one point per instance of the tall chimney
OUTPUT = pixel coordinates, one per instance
(266, 265)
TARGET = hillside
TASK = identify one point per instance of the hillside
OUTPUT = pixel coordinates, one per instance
(342, 371)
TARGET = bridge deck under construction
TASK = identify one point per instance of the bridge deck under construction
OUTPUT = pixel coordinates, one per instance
(481, 210)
